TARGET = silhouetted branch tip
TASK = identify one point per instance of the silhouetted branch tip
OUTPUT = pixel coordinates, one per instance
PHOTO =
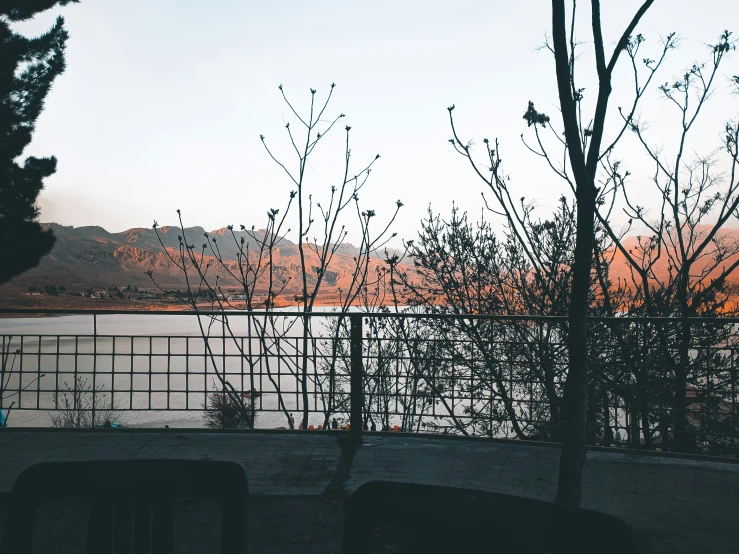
(534, 117)
(724, 44)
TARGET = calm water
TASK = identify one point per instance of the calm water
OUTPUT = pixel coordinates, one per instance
(140, 357)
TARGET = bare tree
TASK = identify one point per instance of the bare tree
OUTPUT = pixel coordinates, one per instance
(583, 148)
(254, 271)
(332, 231)
(251, 267)
(682, 264)
(510, 366)
(675, 235)
(80, 406)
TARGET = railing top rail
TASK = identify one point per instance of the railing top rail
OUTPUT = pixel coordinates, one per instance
(325, 314)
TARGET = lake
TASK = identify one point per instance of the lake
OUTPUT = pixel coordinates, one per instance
(157, 366)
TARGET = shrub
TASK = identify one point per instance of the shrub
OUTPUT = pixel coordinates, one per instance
(81, 406)
(223, 411)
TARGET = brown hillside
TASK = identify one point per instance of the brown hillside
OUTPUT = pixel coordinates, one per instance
(91, 257)
(620, 266)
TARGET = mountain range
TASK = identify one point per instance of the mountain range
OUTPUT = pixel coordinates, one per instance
(86, 258)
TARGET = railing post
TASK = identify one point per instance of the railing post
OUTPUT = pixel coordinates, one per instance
(94, 365)
(356, 388)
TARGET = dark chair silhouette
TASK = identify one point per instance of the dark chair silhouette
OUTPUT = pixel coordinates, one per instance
(131, 507)
(428, 519)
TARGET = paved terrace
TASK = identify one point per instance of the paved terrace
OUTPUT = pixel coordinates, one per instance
(673, 504)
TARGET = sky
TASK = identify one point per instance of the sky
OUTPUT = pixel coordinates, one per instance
(163, 103)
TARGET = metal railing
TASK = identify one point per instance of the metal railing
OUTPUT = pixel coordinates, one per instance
(655, 383)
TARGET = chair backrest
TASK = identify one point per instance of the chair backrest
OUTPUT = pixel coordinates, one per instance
(131, 502)
(445, 519)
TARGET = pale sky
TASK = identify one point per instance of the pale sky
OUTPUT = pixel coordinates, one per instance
(163, 101)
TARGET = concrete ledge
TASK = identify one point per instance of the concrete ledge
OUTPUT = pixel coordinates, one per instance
(373, 434)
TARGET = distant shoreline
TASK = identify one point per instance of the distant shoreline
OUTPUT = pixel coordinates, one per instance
(78, 303)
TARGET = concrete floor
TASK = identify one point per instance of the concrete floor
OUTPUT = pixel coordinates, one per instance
(672, 504)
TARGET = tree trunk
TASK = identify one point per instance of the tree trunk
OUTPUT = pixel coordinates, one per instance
(572, 457)
(681, 383)
(304, 373)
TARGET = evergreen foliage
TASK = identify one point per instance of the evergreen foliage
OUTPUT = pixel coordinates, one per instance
(28, 67)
